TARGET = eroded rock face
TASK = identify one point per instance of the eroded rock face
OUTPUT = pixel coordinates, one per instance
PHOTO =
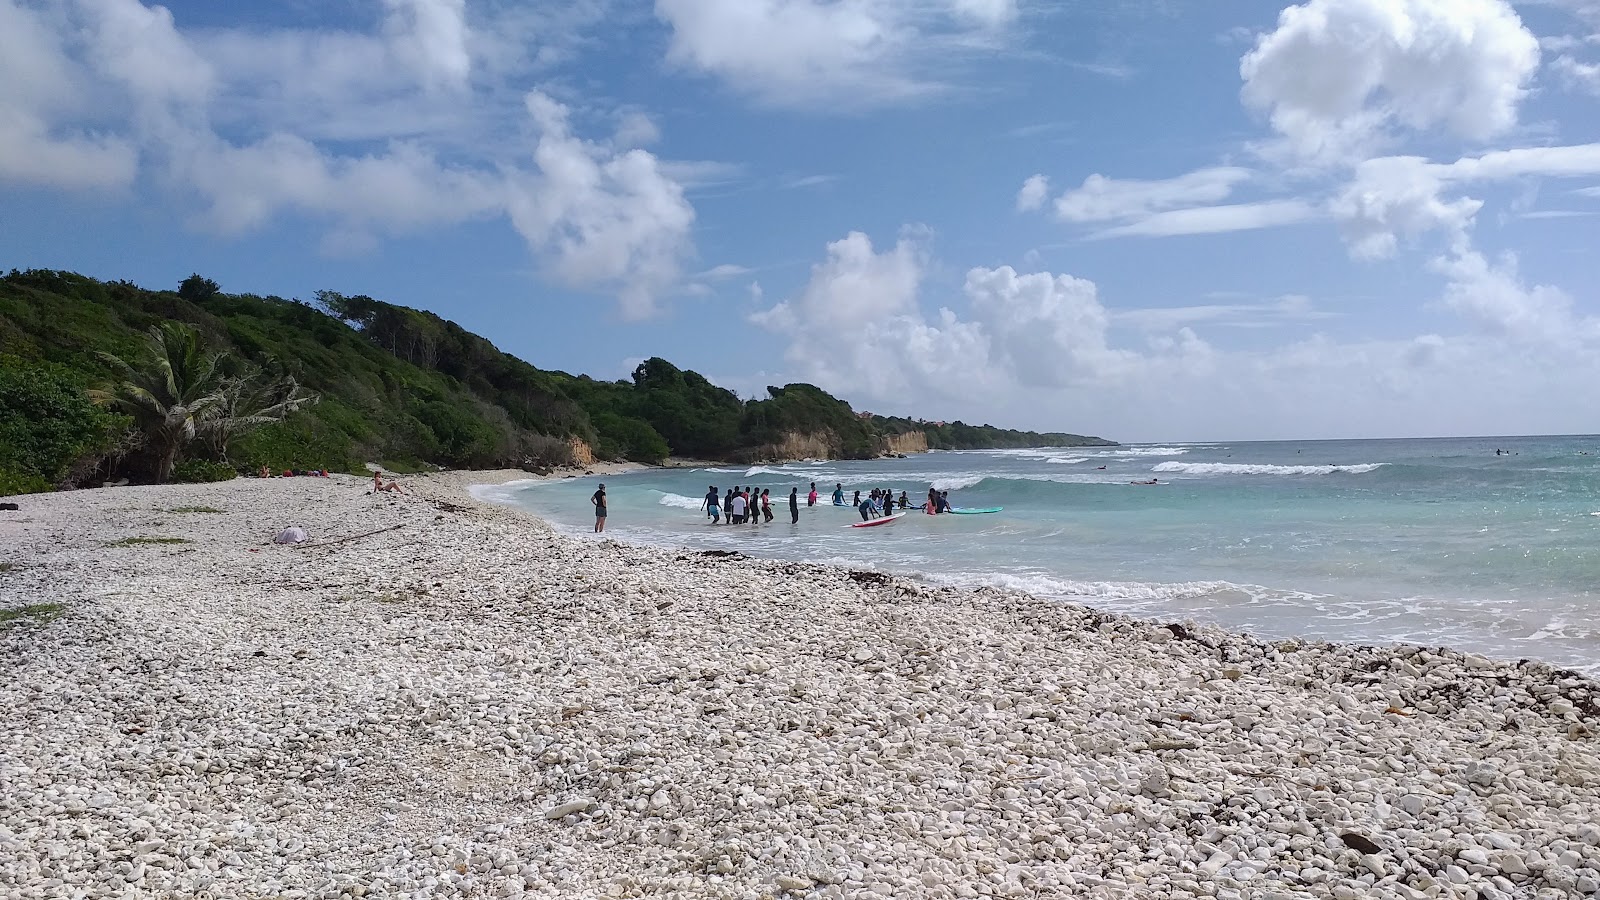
(472, 705)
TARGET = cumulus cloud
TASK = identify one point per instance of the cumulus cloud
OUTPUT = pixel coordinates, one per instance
(1390, 198)
(1033, 193)
(602, 216)
(833, 52)
(1337, 76)
(1493, 296)
(1021, 331)
(253, 124)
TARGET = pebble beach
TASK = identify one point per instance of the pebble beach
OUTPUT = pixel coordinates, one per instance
(438, 698)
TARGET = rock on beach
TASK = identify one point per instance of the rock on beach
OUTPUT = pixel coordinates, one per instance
(468, 704)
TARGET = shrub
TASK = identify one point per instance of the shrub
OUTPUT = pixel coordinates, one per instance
(47, 424)
(13, 481)
(202, 471)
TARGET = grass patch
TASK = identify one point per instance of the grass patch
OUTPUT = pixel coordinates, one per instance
(135, 541)
(193, 509)
(37, 613)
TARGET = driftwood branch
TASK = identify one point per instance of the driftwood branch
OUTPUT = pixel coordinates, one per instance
(345, 540)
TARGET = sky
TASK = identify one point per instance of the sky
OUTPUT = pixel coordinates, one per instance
(1151, 220)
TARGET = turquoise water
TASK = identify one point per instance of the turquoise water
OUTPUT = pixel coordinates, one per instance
(1438, 542)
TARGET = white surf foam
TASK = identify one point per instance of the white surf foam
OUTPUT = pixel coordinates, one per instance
(957, 482)
(1067, 460)
(680, 501)
(763, 470)
(503, 494)
(1247, 469)
(1148, 451)
(1137, 591)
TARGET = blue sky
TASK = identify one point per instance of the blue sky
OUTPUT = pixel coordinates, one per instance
(1149, 220)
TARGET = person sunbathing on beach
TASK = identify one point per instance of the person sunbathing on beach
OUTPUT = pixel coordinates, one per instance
(378, 487)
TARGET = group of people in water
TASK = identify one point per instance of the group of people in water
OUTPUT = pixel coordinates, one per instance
(747, 505)
(752, 505)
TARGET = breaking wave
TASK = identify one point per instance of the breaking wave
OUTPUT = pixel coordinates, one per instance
(680, 501)
(957, 482)
(1247, 469)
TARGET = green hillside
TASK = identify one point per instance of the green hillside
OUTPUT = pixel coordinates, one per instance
(394, 385)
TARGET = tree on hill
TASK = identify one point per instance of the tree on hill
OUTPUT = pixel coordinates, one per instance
(180, 394)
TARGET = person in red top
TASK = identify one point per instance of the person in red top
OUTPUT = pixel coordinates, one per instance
(766, 503)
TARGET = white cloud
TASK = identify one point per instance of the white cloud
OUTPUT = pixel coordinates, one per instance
(1337, 75)
(858, 329)
(1102, 199)
(1046, 330)
(992, 13)
(431, 37)
(724, 272)
(1284, 310)
(602, 216)
(1582, 75)
(96, 93)
(1401, 196)
(1493, 296)
(1217, 219)
(39, 98)
(1033, 192)
(830, 52)
(1396, 197)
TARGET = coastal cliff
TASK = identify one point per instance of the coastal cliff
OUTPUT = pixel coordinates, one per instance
(910, 442)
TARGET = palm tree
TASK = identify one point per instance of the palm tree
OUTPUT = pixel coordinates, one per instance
(170, 398)
(250, 400)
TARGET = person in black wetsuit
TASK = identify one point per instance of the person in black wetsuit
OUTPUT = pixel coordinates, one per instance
(794, 506)
(727, 506)
(599, 501)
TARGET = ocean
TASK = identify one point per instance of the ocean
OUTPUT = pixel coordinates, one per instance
(1440, 542)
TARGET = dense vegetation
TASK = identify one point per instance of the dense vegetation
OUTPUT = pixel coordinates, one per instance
(393, 385)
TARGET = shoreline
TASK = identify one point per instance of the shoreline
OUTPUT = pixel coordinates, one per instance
(472, 702)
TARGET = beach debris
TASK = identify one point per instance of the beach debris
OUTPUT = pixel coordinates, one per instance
(571, 807)
(723, 554)
(294, 534)
(1359, 843)
(878, 578)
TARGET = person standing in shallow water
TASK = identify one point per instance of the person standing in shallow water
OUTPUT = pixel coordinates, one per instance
(766, 504)
(599, 501)
(794, 504)
(713, 505)
(811, 498)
